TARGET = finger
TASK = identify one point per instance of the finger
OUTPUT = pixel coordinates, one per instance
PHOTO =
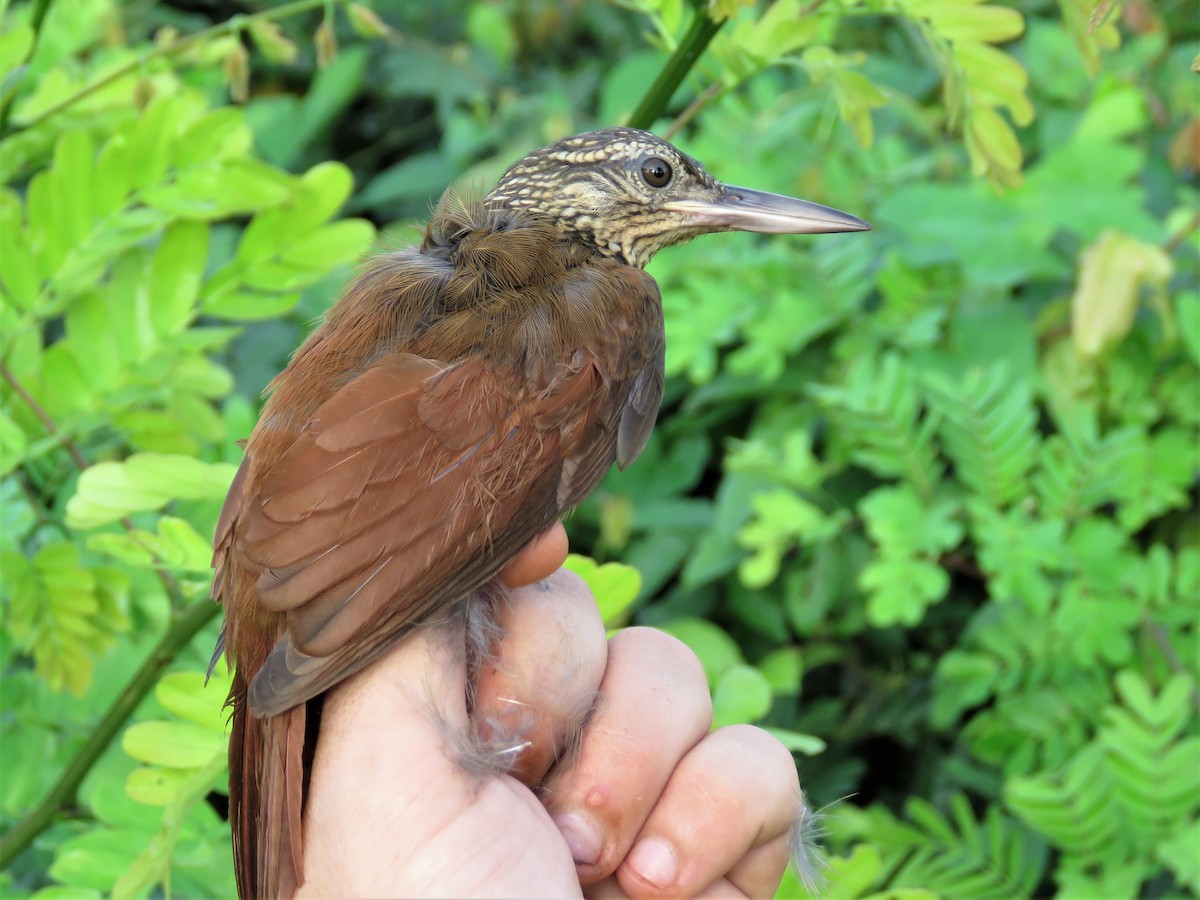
(538, 685)
(655, 707)
(543, 556)
(726, 811)
(760, 871)
(390, 814)
(377, 722)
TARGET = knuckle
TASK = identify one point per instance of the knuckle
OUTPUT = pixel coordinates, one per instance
(672, 659)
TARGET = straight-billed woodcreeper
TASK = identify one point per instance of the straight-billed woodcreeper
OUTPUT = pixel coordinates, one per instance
(460, 398)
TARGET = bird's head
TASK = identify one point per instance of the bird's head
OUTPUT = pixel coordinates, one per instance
(630, 193)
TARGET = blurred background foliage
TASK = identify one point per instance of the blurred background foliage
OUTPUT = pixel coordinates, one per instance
(924, 501)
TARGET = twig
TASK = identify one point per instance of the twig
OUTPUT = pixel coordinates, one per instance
(185, 626)
(705, 97)
(1159, 635)
(170, 585)
(1173, 242)
(701, 30)
(234, 24)
(72, 449)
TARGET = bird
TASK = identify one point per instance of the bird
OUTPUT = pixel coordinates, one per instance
(461, 397)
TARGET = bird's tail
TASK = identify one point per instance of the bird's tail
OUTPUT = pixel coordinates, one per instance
(266, 798)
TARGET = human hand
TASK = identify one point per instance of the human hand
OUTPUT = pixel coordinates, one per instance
(653, 804)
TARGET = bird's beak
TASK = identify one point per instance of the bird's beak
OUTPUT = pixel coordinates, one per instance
(741, 209)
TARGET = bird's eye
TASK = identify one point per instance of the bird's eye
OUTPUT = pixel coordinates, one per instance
(656, 172)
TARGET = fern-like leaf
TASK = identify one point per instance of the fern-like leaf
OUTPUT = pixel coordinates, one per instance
(1077, 473)
(965, 858)
(987, 428)
(878, 415)
(1116, 803)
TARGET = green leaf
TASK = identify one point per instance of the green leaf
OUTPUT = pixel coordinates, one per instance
(614, 585)
(1112, 275)
(782, 520)
(962, 680)
(219, 134)
(245, 306)
(96, 858)
(336, 244)
(174, 745)
(193, 696)
(901, 523)
(784, 670)
(956, 21)
(808, 744)
(145, 481)
(67, 892)
(901, 590)
(992, 141)
(741, 695)
(156, 786)
(63, 613)
(878, 411)
(1154, 474)
(175, 275)
(987, 428)
(20, 278)
(1178, 852)
(489, 27)
(12, 444)
(1018, 553)
(15, 43)
(418, 177)
(176, 546)
(965, 856)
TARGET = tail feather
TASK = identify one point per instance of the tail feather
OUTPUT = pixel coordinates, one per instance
(266, 798)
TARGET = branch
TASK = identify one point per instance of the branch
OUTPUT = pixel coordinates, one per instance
(183, 628)
(705, 97)
(236, 24)
(1172, 243)
(700, 32)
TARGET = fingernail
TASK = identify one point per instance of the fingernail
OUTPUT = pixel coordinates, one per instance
(655, 861)
(583, 840)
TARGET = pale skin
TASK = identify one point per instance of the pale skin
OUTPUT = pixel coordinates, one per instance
(656, 804)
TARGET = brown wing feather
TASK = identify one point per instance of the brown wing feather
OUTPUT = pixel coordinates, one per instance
(401, 484)
(431, 513)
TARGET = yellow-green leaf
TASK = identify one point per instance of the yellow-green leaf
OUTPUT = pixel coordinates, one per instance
(615, 585)
(993, 138)
(174, 745)
(1112, 273)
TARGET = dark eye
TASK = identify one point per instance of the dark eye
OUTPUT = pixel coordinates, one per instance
(657, 172)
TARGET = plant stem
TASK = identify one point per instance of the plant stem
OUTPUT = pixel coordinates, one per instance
(237, 23)
(705, 97)
(654, 103)
(170, 585)
(183, 628)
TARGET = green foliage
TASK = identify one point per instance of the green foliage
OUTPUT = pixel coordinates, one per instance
(923, 502)
(184, 758)
(615, 586)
